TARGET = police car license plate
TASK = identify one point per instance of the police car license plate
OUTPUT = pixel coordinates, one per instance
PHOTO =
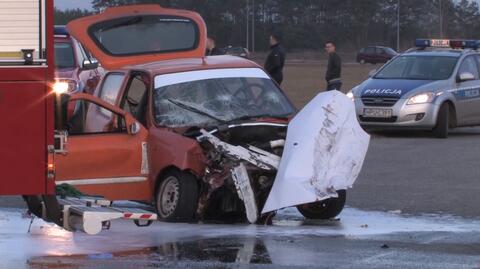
(377, 113)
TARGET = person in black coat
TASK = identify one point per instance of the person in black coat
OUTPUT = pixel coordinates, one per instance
(334, 68)
(275, 59)
(212, 48)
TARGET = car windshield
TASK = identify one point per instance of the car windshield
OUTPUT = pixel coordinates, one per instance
(418, 67)
(212, 97)
(390, 51)
(64, 57)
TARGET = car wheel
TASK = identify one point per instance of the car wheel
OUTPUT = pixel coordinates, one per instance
(177, 197)
(325, 209)
(362, 61)
(441, 128)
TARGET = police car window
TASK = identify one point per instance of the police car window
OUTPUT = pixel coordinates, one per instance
(469, 65)
(110, 89)
(418, 67)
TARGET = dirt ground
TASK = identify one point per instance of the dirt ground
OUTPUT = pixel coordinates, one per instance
(303, 80)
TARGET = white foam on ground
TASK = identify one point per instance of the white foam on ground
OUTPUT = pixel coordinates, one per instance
(17, 246)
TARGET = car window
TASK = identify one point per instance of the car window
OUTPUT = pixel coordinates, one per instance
(78, 123)
(379, 51)
(362, 50)
(110, 88)
(418, 67)
(370, 50)
(64, 56)
(136, 97)
(469, 65)
(146, 34)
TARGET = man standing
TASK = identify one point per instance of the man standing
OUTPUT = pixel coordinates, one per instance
(275, 59)
(334, 67)
(212, 48)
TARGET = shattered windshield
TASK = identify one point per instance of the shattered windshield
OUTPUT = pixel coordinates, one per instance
(213, 97)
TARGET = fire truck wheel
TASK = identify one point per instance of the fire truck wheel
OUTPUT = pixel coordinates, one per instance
(177, 197)
(325, 209)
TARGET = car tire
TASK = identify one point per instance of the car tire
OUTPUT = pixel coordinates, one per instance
(325, 209)
(362, 61)
(441, 128)
(177, 197)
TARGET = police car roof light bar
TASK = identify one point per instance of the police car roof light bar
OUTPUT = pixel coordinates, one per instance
(446, 43)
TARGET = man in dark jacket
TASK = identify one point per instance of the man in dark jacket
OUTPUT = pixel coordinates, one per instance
(334, 68)
(212, 48)
(275, 59)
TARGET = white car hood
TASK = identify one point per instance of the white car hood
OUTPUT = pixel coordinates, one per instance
(324, 151)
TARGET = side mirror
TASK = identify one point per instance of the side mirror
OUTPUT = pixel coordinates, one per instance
(465, 76)
(372, 73)
(89, 65)
(134, 128)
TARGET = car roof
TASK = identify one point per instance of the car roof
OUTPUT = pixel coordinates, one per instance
(191, 64)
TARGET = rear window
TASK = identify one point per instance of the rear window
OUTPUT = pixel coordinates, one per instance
(146, 34)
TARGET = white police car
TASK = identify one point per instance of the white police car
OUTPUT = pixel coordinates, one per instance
(435, 86)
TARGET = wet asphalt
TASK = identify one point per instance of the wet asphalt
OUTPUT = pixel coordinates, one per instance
(415, 205)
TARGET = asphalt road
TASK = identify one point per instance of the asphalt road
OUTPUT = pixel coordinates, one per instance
(416, 173)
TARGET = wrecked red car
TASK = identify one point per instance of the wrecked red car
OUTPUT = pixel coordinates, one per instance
(197, 137)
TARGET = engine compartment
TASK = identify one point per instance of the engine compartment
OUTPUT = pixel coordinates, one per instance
(221, 197)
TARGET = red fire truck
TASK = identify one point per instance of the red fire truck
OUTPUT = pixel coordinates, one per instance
(27, 139)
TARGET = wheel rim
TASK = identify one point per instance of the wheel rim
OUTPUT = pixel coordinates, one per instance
(169, 196)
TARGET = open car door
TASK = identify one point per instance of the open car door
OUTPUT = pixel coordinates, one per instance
(137, 34)
(111, 162)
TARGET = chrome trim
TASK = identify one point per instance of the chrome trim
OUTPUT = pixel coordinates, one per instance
(100, 181)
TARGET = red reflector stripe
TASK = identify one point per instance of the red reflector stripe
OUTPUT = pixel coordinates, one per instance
(145, 216)
(127, 215)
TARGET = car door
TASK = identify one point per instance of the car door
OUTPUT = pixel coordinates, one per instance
(370, 55)
(137, 34)
(112, 163)
(467, 93)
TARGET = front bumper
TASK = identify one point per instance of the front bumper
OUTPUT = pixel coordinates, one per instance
(420, 116)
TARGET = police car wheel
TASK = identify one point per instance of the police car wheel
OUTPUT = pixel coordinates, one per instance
(177, 197)
(325, 209)
(441, 128)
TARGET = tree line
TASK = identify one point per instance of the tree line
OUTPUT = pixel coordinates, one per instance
(307, 24)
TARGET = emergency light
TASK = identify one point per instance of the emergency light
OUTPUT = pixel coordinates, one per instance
(447, 43)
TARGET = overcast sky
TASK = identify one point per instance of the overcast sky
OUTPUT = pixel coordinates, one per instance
(65, 4)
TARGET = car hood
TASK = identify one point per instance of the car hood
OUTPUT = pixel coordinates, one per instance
(391, 87)
(324, 152)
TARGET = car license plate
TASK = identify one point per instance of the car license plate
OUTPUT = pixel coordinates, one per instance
(377, 113)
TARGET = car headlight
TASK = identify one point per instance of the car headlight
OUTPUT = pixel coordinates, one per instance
(64, 86)
(421, 98)
(350, 95)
